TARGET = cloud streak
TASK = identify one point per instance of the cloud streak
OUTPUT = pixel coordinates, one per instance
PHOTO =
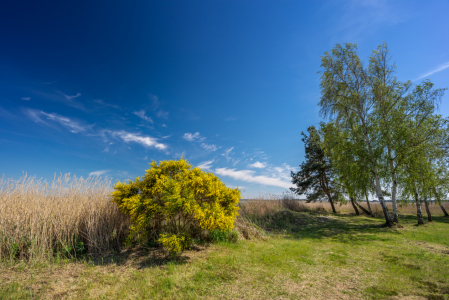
(70, 98)
(141, 114)
(101, 102)
(98, 173)
(258, 165)
(206, 165)
(193, 137)
(436, 70)
(146, 141)
(248, 176)
(42, 117)
(71, 125)
(210, 147)
(227, 153)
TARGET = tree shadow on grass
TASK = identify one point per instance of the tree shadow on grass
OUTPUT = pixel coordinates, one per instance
(347, 229)
(141, 258)
(412, 219)
(344, 228)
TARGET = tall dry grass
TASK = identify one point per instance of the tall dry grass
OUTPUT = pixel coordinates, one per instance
(40, 219)
(268, 205)
(403, 209)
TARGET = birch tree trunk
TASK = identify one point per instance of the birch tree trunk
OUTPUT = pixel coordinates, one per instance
(418, 205)
(437, 198)
(355, 207)
(429, 215)
(444, 211)
(363, 209)
(393, 190)
(380, 196)
(369, 206)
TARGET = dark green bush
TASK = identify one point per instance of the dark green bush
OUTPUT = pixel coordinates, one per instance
(222, 236)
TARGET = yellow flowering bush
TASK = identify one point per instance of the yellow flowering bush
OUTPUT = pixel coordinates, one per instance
(173, 244)
(173, 202)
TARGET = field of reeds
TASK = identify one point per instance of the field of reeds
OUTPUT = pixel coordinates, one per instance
(69, 215)
(269, 204)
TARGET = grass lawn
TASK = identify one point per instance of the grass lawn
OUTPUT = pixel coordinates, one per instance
(306, 256)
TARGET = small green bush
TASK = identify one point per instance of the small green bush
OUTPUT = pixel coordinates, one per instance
(173, 203)
(220, 236)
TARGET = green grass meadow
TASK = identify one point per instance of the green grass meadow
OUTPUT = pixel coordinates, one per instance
(312, 256)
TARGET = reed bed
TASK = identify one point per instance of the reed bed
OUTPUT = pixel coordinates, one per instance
(269, 205)
(65, 217)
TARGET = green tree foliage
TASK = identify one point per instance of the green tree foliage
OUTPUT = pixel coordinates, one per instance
(314, 179)
(351, 169)
(374, 113)
(424, 170)
(173, 202)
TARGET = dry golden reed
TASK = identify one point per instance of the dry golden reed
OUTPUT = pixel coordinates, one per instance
(40, 219)
(268, 205)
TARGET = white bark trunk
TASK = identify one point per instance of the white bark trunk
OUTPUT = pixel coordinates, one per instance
(418, 205)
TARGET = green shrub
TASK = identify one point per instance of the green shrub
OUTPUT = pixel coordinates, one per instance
(173, 202)
(220, 236)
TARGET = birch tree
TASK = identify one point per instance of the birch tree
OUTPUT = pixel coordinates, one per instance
(347, 98)
(352, 172)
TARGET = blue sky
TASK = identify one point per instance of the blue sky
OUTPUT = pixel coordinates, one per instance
(104, 87)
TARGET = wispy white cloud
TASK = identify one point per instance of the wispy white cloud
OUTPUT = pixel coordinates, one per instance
(182, 154)
(141, 113)
(360, 18)
(258, 165)
(283, 172)
(206, 165)
(193, 137)
(210, 147)
(436, 70)
(51, 82)
(101, 102)
(73, 126)
(99, 173)
(61, 97)
(230, 119)
(249, 176)
(7, 114)
(77, 127)
(26, 98)
(146, 141)
(196, 137)
(35, 116)
(227, 153)
(162, 114)
(70, 98)
(155, 100)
